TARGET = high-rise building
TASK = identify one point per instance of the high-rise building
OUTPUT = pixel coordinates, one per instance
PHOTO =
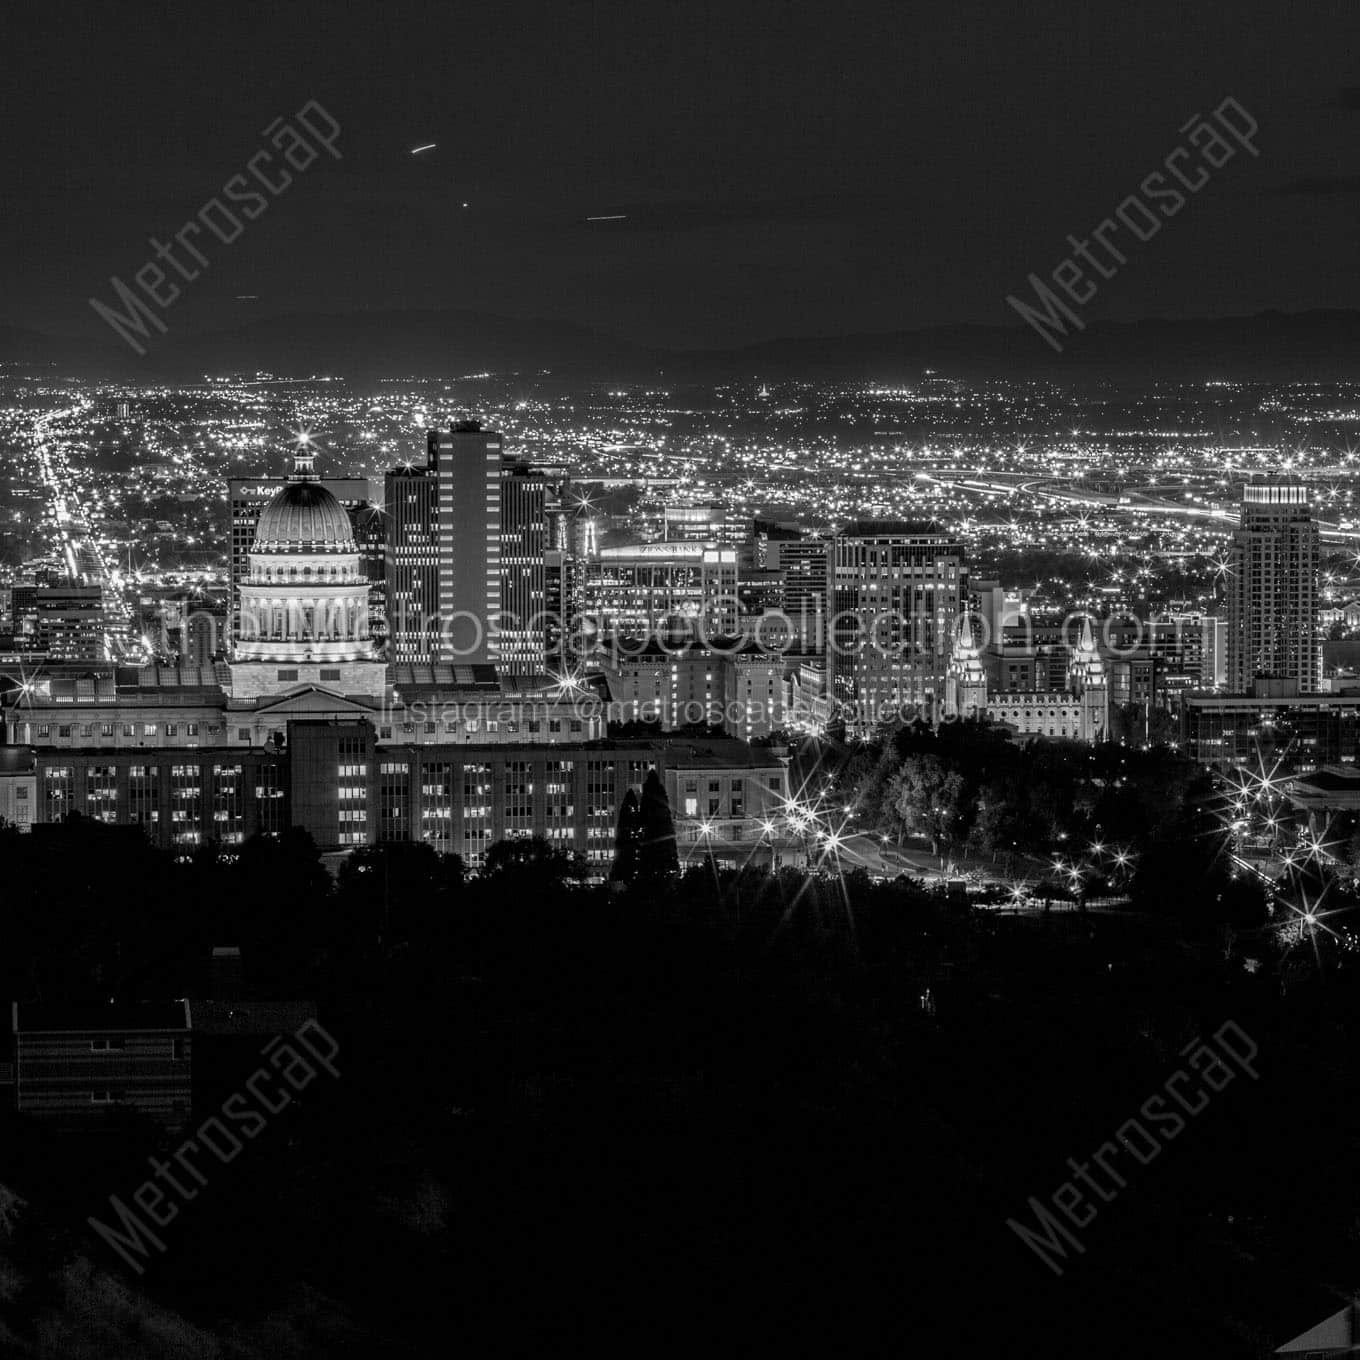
(802, 562)
(67, 622)
(466, 463)
(649, 589)
(895, 592)
(1272, 588)
(248, 497)
(1214, 652)
(465, 555)
(411, 564)
(370, 533)
(710, 522)
(524, 545)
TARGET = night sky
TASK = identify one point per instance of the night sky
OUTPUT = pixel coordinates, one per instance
(782, 169)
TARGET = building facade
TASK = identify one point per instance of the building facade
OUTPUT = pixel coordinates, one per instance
(651, 589)
(895, 592)
(1272, 588)
(736, 687)
(524, 548)
(335, 779)
(466, 464)
(247, 498)
(1079, 712)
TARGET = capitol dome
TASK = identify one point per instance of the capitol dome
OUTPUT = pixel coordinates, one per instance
(304, 517)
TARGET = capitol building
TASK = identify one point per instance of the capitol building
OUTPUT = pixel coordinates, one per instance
(307, 725)
(304, 602)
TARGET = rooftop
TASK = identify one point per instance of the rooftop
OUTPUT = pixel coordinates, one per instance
(32, 1017)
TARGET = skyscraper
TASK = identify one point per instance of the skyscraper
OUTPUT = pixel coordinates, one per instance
(803, 564)
(524, 544)
(1272, 588)
(895, 591)
(466, 463)
(370, 532)
(411, 564)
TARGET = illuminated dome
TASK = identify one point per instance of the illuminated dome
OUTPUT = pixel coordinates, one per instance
(304, 517)
(304, 597)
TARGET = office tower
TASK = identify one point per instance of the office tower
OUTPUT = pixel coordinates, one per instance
(524, 546)
(247, 497)
(370, 532)
(710, 522)
(650, 589)
(895, 591)
(65, 621)
(1272, 588)
(558, 617)
(411, 564)
(466, 464)
(1214, 652)
(573, 539)
(802, 562)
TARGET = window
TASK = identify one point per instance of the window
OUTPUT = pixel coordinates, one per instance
(107, 1045)
(106, 729)
(330, 672)
(149, 729)
(64, 730)
(171, 729)
(192, 729)
(243, 733)
(290, 674)
(44, 730)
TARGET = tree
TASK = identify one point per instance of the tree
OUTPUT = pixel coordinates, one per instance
(657, 856)
(627, 839)
(928, 796)
(532, 857)
(395, 890)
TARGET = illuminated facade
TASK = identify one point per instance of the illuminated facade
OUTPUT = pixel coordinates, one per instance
(1272, 589)
(247, 498)
(347, 788)
(651, 588)
(895, 593)
(1081, 712)
(304, 601)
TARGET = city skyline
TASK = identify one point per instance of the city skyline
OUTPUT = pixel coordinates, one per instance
(679, 679)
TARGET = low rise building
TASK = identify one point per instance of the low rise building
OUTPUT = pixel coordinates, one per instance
(73, 1062)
